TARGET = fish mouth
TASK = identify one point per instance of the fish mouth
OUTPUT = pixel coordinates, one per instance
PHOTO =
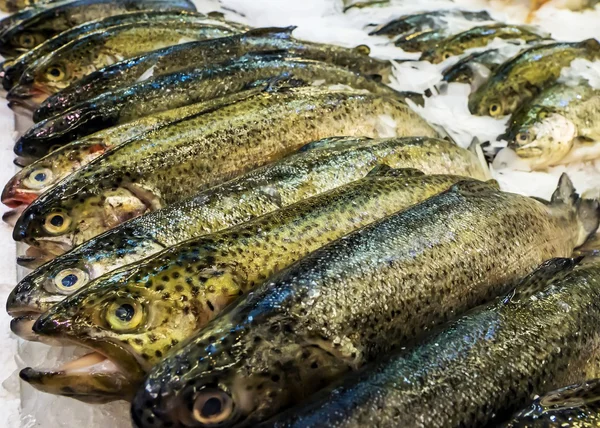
(27, 97)
(34, 257)
(93, 378)
(14, 196)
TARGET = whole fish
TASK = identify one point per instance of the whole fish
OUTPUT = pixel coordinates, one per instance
(45, 23)
(195, 54)
(558, 126)
(318, 167)
(199, 278)
(40, 175)
(478, 37)
(103, 47)
(517, 81)
(13, 69)
(421, 41)
(576, 406)
(432, 20)
(182, 88)
(176, 161)
(475, 371)
(356, 299)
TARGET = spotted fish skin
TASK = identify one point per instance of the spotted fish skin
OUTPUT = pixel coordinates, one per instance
(358, 297)
(195, 54)
(103, 47)
(292, 179)
(526, 75)
(180, 289)
(190, 86)
(13, 69)
(460, 376)
(574, 406)
(45, 23)
(177, 161)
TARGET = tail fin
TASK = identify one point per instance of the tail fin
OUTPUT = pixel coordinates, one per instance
(588, 212)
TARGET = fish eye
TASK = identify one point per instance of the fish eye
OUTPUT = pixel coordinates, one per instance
(124, 315)
(495, 109)
(67, 281)
(56, 223)
(38, 178)
(446, 55)
(522, 137)
(28, 40)
(55, 73)
(212, 407)
(543, 114)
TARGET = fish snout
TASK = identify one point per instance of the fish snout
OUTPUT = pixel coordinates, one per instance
(22, 327)
(19, 92)
(51, 325)
(14, 196)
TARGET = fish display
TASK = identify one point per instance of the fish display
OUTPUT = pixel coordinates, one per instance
(182, 288)
(103, 47)
(478, 37)
(571, 406)
(182, 88)
(523, 77)
(13, 69)
(558, 126)
(45, 23)
(462, 375)
(318, 167)
(176, 161)
(357, 298)
(430, 20)
(195, 54)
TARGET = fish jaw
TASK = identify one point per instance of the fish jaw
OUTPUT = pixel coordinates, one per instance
(29, 97)
(14, 195)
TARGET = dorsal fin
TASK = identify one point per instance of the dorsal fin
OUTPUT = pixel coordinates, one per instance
(330, 142)
(383, 170)
(363, 50)
(546, 274)
(473, 187)
(274, 32)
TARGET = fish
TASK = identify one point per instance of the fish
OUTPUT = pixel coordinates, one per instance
(575, 406)
(186, 87)
(523, 77)
(13, 69)
(431, 20)
(45, 23)
(40, 175)
(317, 167)
(357, 298)
(195, 54)
(201, 277)
(474, 69)
(559, 126)
(421, 40)
(15, 18)
(476, 370)
(176, 161)
(103, 47)
(477, 37)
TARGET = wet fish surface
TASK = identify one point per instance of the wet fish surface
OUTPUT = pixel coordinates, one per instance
(517, 81)
(184, 287)
(195, 54)
(357, 298)
(319, 167)
(421, 41)
(480, 367)
(176, 161)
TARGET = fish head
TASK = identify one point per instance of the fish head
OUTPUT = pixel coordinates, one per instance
(78, 209)
(39, 176)
(494, 103)
(19, 40)
(544, 137)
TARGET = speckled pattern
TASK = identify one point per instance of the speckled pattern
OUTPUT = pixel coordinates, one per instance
(524, 76)
(63, 16)
(358, 298)
(479, 369)
(182, 88)
(175, 162)
(180, 289)
(195, 54)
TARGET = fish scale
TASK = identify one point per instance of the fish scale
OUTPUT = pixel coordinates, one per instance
(185, 286)
(359, 297)
(175, 162)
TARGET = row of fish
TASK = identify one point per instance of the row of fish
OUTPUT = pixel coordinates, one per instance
(245, 228)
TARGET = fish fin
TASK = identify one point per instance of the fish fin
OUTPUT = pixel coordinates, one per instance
(565, 192)
(572, 396)
(275, 32)
(330, 142)
(363, 50)
(542, 277)
(383, 170)
(474, 187)
(590, 44)
(475, 148)
(216, 14)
